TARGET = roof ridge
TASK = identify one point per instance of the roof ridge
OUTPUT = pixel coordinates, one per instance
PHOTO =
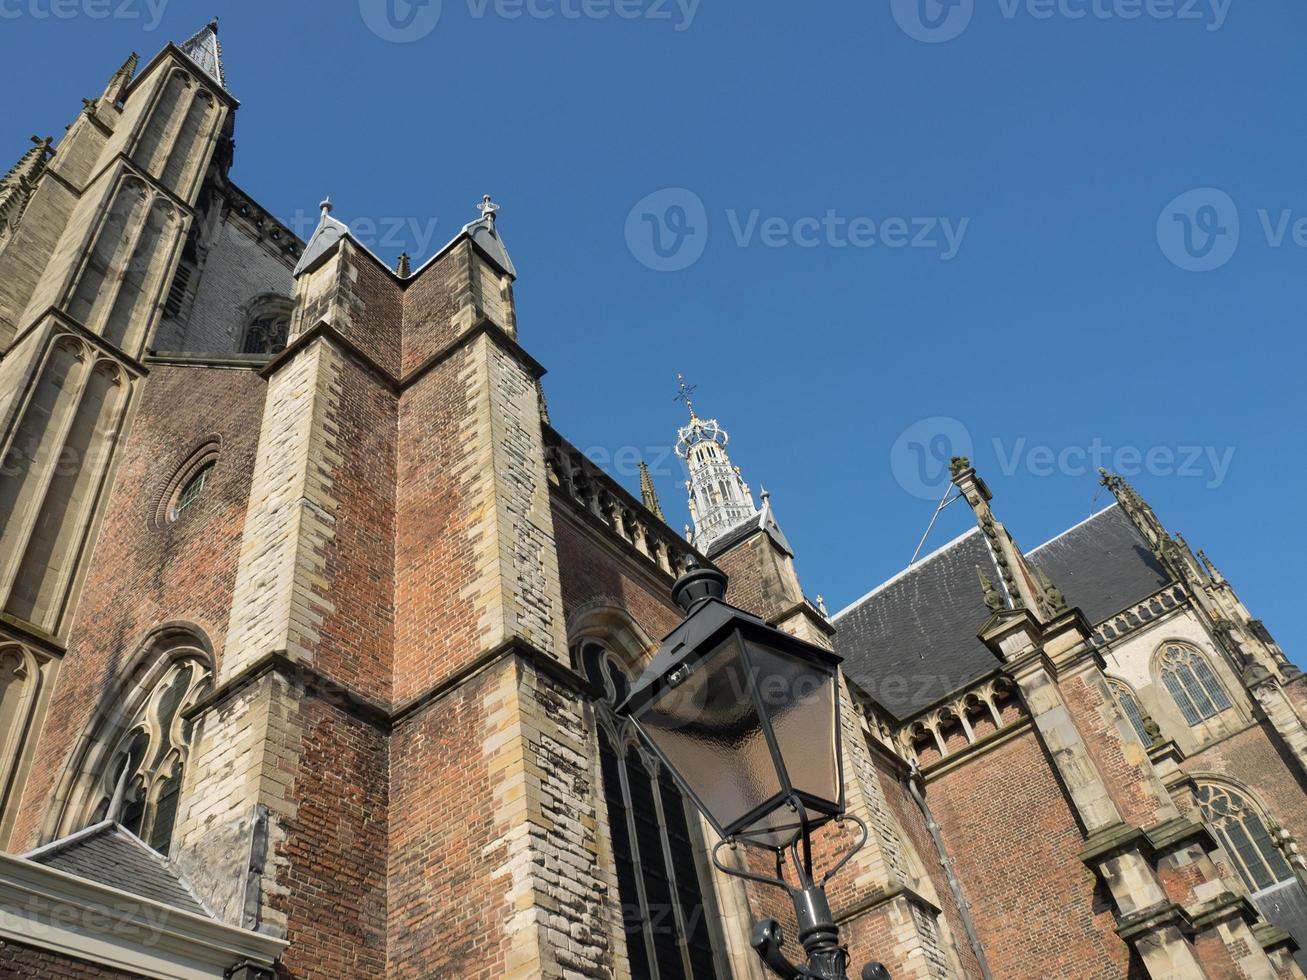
(63, 843)
(905, 572)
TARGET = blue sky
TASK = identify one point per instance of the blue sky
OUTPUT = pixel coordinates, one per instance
(1050, 231)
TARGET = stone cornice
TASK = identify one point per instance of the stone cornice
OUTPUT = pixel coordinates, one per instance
(372, 712)
(890, 894)
(30, 634)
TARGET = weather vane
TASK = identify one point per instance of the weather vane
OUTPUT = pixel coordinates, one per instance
(686, 391)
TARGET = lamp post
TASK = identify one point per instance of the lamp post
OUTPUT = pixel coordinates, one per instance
(746, 718)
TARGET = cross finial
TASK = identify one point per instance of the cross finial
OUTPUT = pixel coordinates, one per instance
(487, 207)
(686, 391)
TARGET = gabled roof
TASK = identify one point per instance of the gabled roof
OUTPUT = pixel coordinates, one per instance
(205, 50)
(111, 855)
(913, 639)
(1101, 565)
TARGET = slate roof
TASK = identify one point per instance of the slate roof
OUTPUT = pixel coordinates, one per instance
(913, 639)
(111, 855)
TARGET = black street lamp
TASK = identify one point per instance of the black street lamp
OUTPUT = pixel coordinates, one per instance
(746, 718)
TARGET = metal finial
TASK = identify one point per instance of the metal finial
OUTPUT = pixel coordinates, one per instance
(685, 393)
(326, 205)
(487, 207)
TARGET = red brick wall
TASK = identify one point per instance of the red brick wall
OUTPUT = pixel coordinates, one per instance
(356, 636)
(1015, 844)
(374, 307)
(591, 573)
(429, 308)
(760, 582)
(141, 577)
(908, 816)
(30, 963)
(437, 630)
(335, 884)
(447, 885)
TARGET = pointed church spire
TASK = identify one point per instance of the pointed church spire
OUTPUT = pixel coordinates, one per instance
(648, 494)
(403, 267)
(204, 48)
(720, 500)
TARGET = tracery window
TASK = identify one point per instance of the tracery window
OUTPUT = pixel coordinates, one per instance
(659, 876)
(1244, 833)
(268, 328)
(1131, 708)
(190, 493)
(1192, 684)
(139, 781)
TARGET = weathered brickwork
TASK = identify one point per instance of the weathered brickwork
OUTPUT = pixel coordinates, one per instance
(144, 575)
(1016, 847)
(23, 962)
(448, 868)
(333, 855)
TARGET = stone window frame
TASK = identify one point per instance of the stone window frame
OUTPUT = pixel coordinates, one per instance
(1127, 699)
(128, 713)
(1190, 679)
(619, 746)
(263, 312)
(1247, 830)
(202, 459)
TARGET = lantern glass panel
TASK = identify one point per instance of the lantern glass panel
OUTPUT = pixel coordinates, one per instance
(709, 730)
(799, 698)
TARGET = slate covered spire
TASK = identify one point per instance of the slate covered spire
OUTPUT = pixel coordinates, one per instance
(205, 50)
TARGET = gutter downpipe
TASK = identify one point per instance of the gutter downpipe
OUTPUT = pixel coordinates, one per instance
(946, 862)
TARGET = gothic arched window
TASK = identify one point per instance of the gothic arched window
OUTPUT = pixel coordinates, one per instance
(1192, 684)
(1132, 709)
(662, 893)
(138, 754)
(268, 328)
(1244, 833)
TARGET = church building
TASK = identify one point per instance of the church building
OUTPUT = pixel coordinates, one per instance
(313, 630)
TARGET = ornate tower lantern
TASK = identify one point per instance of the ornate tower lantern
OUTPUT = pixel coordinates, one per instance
(720, 500)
